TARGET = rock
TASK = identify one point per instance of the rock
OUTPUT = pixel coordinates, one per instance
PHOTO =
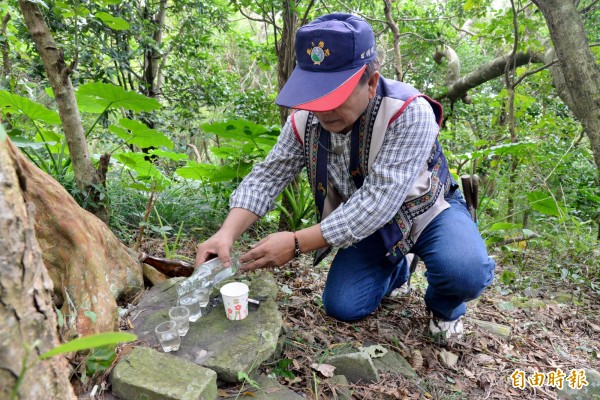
(213, 341)
(155, 277)
(497, 329)
(148, 374)
(591, 391)
(356, 367)
(339, 384)
(394, 363)
(270, 389)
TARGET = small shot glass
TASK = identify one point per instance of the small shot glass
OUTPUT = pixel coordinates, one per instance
(168, 336)
(191, 301)
(180, 315)
(203, 294)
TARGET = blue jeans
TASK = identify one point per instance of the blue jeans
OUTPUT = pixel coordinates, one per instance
(458, 268)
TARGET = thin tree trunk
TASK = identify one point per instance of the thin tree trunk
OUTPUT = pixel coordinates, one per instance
(396, 32)
(59, 73)
(6, 67)
(152, 58)
(29, 324)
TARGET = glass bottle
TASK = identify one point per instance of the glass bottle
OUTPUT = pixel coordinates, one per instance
(207, 274)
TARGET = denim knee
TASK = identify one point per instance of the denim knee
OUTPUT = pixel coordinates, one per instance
(343, 309)
(467, 279)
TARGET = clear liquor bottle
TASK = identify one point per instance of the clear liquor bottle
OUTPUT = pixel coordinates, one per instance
(207, 274)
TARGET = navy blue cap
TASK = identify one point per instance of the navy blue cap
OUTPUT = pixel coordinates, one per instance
(331, 54)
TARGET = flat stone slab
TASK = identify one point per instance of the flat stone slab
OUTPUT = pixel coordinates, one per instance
(356, 367)
(394, 363)
(213, 341)
(147, 374)
(270, 389)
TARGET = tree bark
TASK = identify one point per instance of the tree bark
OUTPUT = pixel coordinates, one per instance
(152, 57)
(26, 308)
(578, 65)
(59, 73)
(6, 67)
(91, 270)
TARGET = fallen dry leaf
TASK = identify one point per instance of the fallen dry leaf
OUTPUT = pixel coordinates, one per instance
(448, 358)
(325, 369)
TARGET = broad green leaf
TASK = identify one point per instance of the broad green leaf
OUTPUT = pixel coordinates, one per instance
(196, 171)
(110, 2)
(116, 23)
(89, 342)
(136, 162)
(100, 359)
(140, 135)
(504, 226)
(35, 111)
(239, 129)
(169, 154)
(96, 97)
(543, 203)
(22, 142)
(213, 173)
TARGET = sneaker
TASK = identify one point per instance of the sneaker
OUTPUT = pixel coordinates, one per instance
(445, 330)
(401, 291)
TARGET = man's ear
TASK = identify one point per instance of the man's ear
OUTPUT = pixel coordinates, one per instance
(373, 80)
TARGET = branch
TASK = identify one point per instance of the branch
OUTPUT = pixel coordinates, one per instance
(488, 71)
(514, 240)
(534, 71)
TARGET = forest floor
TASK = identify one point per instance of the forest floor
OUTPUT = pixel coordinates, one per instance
(554, 326)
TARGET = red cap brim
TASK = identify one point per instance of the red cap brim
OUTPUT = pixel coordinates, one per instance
(336, 98)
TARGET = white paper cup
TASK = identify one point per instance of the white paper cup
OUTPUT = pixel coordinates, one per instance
(235, 300)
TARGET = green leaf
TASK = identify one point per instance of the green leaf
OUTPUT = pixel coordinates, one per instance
(504, 226)
(540, 201)
(140, 135)
(95, 97)
(116, 23)
(213, 173)
(89, 342)
(136, 162)
(35, 111)
(22, 142)
(100, 359)
(169, 154)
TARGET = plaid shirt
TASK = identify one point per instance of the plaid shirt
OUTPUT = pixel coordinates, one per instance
(404, 152)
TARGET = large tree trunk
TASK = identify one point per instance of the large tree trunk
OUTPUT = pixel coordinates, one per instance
(26, 308)
(59, 73)
(91, 269)
(578, 65)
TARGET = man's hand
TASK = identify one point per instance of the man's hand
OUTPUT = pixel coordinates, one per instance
(272, 251)
(217, 245)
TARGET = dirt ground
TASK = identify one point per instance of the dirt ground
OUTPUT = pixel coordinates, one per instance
(553, 328)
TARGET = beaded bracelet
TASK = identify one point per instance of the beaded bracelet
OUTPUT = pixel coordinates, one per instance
(296, 246)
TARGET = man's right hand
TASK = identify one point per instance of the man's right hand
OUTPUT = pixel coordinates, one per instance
(218, 245)
(221, 243)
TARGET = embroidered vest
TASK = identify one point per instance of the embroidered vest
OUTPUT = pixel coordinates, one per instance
(424, 201)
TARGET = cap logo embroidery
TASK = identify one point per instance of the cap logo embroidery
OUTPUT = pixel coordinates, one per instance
(318, 53)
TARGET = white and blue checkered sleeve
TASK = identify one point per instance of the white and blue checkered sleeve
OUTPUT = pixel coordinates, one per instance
(259, 189)
(407, 145)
